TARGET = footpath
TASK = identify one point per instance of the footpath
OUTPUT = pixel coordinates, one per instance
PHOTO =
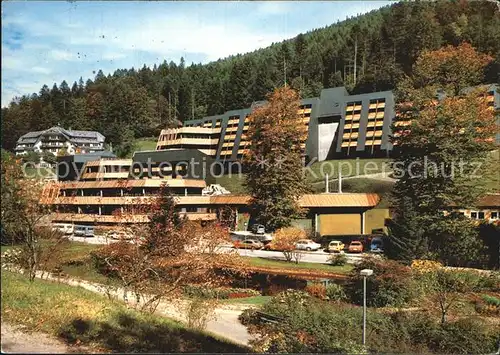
(225, 324)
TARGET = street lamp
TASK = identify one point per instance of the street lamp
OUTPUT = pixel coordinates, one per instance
(365, 273)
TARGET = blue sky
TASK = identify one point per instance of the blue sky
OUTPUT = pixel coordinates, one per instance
(47, 42)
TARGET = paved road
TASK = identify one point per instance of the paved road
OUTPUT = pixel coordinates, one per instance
(16, 340)
(308, 256)
(226, 323)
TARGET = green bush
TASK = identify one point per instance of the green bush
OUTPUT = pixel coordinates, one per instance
(307, 325)
(491, 300)
(466, 336)
(460, 280)
(337, 259)
(489, 282)
(248, 316)
(335, 293)
(391, 284)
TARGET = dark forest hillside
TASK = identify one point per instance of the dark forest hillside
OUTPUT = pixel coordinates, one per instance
(139, 102)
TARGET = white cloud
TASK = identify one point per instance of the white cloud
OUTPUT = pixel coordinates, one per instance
(272, 7)
(113, 55)
(69, 41)
(59, 54)
(41, 70)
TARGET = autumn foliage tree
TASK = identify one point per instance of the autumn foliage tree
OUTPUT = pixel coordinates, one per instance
(285, 240)
(274, 160)
(167, 253)
(443, 134)
(24, 220)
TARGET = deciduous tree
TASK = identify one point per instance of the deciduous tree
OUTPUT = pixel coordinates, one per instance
(165, 254)
(24, 220)
(442, 136)
(285, 240)
(274, 160)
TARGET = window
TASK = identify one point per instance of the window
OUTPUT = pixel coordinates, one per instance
(480, 215)
(473, 215)
(494, 215)
(191, 209)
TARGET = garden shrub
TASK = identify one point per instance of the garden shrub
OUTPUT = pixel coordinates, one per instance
(491, 300)
(337, 259)
(425, 265)
(488, 305)
(316, 290)
(466, 336)
(489, 282)
(311, 325)
(200, 311)
(335, 293)
(391, 284)
(247, 316)
(102, 258)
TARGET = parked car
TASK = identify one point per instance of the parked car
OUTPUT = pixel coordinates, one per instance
(270, 246)
(307, 244)
(84, 231)
(355, 247)
(119, 234)
(258, 229)
(377, 245)
(248, 244)
(335, 246)
(264, 238)
(65, 228)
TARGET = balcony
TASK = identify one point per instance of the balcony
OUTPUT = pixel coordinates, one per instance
(349, 144)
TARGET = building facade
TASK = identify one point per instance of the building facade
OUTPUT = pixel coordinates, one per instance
(487, 208)
(54, 139)
(339, 126)
(110, 192)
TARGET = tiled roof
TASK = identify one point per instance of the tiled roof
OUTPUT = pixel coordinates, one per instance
(312, 200)
(81, 136)
(230, 200)
(489, 200)
(339, 200)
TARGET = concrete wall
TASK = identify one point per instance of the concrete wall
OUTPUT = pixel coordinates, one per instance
(326, 136)
(339, 224)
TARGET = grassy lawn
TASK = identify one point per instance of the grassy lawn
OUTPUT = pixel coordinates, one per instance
(233, 183)
(78, 250)
(145, 144)
(349, 167)
(77, 315)
(255, 300)
(38, 173)
(261, 262)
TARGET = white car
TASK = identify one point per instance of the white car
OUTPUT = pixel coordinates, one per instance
(64, 228)
(307, 244)
(119, 235)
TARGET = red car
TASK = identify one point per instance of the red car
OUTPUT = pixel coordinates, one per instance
(355, 247)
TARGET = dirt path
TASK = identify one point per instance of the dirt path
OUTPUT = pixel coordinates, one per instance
(15, 340)
(225, 325)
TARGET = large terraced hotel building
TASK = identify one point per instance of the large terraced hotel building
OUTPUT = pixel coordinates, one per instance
(339, 126)
(104, 191)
